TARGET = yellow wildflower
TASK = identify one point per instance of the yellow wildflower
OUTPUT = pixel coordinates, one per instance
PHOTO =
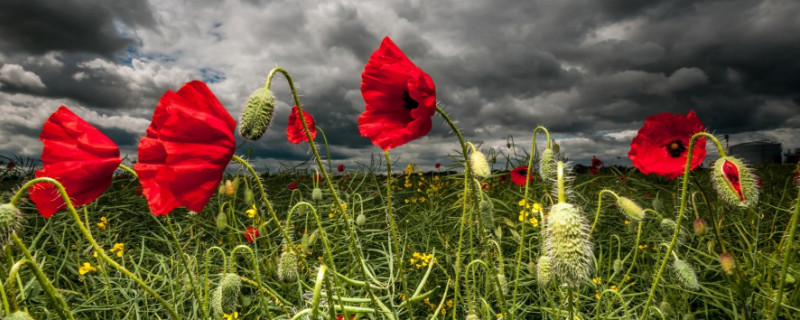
(642, 246)
(234, 315)
(251, 213)
(597, 280)
(103, 223)
(614, 288)
(627, 222)
(86, 268)
(119, 249)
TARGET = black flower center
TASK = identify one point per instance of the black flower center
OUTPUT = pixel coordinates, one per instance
(408, 102)
(675, 148)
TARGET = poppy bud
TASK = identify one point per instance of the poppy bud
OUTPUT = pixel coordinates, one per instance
(556, 148)
(531, 267)
(700, 227)
(316, 194)
(666, 308)
(226, 296)
(248, 196)
(630, 208)
(486, 210)
(236, 182)
(503, 282)
(567, 243)
(480, 168)
(727, 262)
(546, 162)
(735, 183)
(472, 316)
(361, 219)
(221, 220)
(222, 189)
(287, 266)
(10, 221)
(257, 114)
(686, 274)
(305, 241)
(617, 265)
(229, 190)
(668, 225)
(18, 315)
(544, 270)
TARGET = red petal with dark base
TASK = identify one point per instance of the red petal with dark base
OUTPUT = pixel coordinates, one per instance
(651, 150)
(295, 132)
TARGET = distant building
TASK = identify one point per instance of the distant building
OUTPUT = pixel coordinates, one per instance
(757, 152)
(792, 158)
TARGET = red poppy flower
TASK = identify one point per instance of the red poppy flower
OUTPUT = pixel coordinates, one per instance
(251, 234)
(661, 145)
(518, 175)
(503, 179)
(292, 186)
(400, 98)
(10, 165)
(188, 145)
(437, 165)
(340, 168)
(594, 171)
(796, 178)
(295, 132)
(317, 177)
(597, 163)
(79, 156)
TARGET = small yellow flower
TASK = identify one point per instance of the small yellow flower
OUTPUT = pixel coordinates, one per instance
(234, 315)
(597, 294)
(597, 280)
(103, 223)
(537, 207)
(119, 249)
(642, 246)
(522, 203)
(627, 222)
(534, 222)
(86, 268)
(614, 288)
(251, 213)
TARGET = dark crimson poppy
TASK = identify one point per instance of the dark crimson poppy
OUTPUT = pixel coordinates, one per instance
(594, 171)
(597, 163)
(503, 179)
(437, 165)
(188, 145)
(295, 132)
(251, 234)
(796, 178)
(340, 168)
(621, 178)
(10, 165)
(662, 144)
(79, 156)
(400, 98)
(317, 177)
(519, 174)
(292, 186)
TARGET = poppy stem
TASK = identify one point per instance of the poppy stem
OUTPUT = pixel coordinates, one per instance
(52, 293)
(786, 258)
(327, 149)
(254, 263)
(342, 208)
(525, 197)
(398, 261)
(599, 205)
(99, 250)
(126, 168)
(681, 211)
(464, 211)
(189, 272)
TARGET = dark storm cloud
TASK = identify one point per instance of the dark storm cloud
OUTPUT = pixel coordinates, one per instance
(40, 26)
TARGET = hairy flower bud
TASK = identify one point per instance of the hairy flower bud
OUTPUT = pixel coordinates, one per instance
(547, 164)
(630, 208)
(486, 209)
(480, 168)
(226, 296)
(666, 308)
(567, 243)
(287, 266)
(316, 194)
(361, 219)
(727, 262)
(257, 114)
(735, 183)
(10, 221)
(503, 282)
(686, 274)
(229, 190)
(248, 196)
(18, 315)
(222, 220)
(700, 227)
(544, 269)
(617, 265)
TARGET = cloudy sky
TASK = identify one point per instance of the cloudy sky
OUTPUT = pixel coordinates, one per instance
(590, 71)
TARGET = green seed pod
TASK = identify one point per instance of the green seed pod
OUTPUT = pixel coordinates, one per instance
(480, 168)
(248, 196)
(10, 221)
(630, 209)
(567, 243)
(287, 266)
(686, 274)
(547, 164)
(361, 219)
(221, 220)
(486, 209)
(257, 114)
(228, 291)
(316, 194)
(18, 315)
(617, 265)
(544, 270)
(735, 183)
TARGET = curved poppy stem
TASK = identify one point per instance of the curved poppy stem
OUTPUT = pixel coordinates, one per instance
(599, 205)
(342, 207)
(525, 197)
(464, 211)
(254, 263)
(189, 274)
(681, 211)
(786, 258)
(129, 170)
(390, 213)
(327, 149)
(51, 291)
(97, 248)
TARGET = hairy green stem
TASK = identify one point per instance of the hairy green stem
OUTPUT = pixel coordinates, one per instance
(189, 273)
(787, 250)
(47, 285)
(254, 263)
(398, 262)
(599, 205)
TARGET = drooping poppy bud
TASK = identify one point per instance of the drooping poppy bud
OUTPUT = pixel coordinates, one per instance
(727, 262)
(700, 227)
(479, 165)
(257, 114)
(735, 183)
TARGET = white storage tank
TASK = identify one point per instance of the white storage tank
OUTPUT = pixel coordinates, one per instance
(757, 152)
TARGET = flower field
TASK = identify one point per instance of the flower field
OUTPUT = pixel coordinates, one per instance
(191, 231)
